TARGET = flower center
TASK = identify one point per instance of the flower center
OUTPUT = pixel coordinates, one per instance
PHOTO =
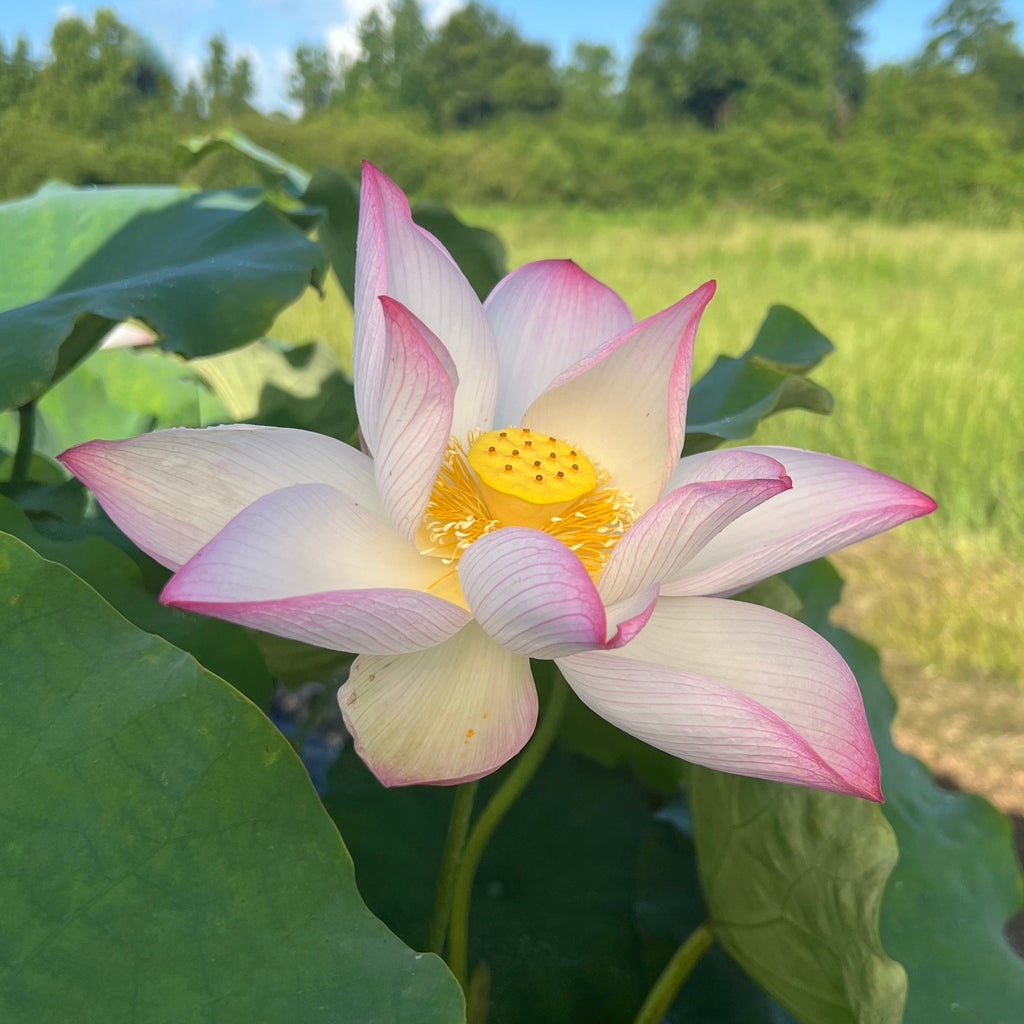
(518, 477)
(527, 475)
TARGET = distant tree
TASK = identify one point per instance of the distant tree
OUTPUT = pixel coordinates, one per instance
(478, 66)
(230, 85)
(192, 102)
(409, 39)
(969, 34)
(700, 58)
(588, 81)
(370, 69)
(241, 86)
(312, 79)
(17, 73)
(390, 61)
(216, 73)
(102, 76)
(975, 37)
(850, 71)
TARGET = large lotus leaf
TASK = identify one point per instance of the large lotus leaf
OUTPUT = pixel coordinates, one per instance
(223, 648)
(165, 857)
(284, 386)
(957, 881)
(794, 879)
(119, 393)
(728, 402)
(207, 271)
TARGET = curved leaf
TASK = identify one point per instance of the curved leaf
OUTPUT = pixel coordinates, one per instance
(957, 881)
(274, 171)
(165, 858)
(794, 880)
(207, 271)
(728, 402)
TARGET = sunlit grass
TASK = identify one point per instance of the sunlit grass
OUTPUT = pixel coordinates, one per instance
(928, 322)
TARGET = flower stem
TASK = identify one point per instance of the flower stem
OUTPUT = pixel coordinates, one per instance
(26, 442)
(455, 845)
(506, 794)
(676, 971)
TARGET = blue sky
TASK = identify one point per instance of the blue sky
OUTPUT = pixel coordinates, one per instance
(269, 30)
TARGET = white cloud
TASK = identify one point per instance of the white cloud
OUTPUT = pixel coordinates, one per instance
(438, 13)
(342, 41)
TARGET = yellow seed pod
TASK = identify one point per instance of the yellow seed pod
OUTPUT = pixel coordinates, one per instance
(532, 467)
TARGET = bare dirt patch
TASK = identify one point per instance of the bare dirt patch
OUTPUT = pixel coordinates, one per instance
(967, 726)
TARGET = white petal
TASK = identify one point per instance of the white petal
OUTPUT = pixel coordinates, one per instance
(833, 503)
(532, 594)
(658, 546)
(307, 563)
(417, 392)
(396, 257)
(739, 688)
(625, 404)
(449, 714)
(171, 491)
(546, 316)
(725, 464)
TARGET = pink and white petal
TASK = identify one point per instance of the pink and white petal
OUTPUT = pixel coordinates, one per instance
(833, 503)
(625, 403)
(171, 491)
(725, 464)
(531, 594)
(545, 317)
(308, 563)
(449, 714)
(630, 615)
(417, 394)
(396, 257)
(739, 688)
(127, 334)
(658, 546)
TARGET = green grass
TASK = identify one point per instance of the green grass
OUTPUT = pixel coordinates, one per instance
(928, 322)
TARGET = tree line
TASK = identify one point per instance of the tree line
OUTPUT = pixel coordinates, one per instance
(716, 78)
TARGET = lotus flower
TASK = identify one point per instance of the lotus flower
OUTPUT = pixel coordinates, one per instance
(521, 496)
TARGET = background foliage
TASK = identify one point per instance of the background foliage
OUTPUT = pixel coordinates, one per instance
(766, 104)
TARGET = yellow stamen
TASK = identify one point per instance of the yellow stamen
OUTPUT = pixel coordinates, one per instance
(562, 493)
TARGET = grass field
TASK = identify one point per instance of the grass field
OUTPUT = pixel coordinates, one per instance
(928, 323)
